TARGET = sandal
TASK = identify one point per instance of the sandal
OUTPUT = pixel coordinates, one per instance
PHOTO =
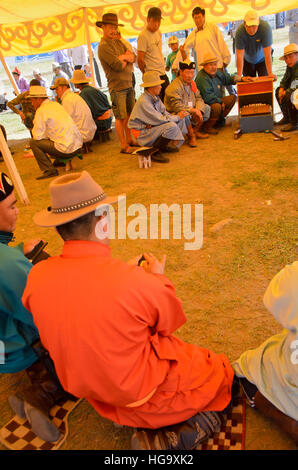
(128, 150)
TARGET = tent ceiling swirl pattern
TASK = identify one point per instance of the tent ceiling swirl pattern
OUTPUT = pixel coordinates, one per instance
(45, 33)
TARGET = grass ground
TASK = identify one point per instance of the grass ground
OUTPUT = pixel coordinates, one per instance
(252, 181)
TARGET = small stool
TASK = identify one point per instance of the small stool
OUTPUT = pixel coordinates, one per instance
(103, 136)
(87, 147)
(69, 163)
(144, 162)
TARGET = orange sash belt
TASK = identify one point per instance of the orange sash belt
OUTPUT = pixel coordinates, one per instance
(142, 401)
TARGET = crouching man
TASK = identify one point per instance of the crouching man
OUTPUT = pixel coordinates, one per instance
(150, 122)
(211, 82)
(182, 95)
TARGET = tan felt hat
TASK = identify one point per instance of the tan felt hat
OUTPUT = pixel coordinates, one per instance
(151, 78)
(72, 196)
(79, 76)
(289, 49)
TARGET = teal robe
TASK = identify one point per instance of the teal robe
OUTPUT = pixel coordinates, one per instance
(16, 354)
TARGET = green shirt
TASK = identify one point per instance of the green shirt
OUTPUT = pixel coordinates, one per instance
(170, 59)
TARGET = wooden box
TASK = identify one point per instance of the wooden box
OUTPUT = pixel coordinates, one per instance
(255, 105)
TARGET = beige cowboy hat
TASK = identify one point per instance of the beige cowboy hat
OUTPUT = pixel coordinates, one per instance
(79, 76)
(289, 49)
(36, 91)
(109, 18)
(151, 78)
(59, 82)
(72, 196)
(208, 59)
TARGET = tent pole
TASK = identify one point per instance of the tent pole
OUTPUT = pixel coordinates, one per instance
(9, 73)
(12, 170)
(85, 11)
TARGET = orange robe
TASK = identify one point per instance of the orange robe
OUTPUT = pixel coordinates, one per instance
(108, 327)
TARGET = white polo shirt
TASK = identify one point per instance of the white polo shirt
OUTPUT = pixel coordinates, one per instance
(80, 112)
(208, 40)
(52, 122)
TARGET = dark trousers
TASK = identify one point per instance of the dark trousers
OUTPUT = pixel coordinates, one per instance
(163, 86)
(288, 110)
(44, 147)
(216, 109)
(251, 70)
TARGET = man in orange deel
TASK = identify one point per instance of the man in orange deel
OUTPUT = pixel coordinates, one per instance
(109, 329)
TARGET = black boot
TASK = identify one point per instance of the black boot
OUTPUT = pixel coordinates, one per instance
(165, 145)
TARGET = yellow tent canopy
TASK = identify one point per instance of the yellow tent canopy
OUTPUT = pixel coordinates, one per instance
(35, 26)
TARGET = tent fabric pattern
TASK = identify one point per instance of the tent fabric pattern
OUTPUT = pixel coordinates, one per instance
(58, 24)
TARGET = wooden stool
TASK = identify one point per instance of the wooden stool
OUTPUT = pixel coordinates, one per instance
(103, 136)
(144, 162)
(69, 164)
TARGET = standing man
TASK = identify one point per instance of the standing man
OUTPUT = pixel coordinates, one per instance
(291, 20)
(254, 47)
(79, 56)
(117, 61)
(205, 38)
(54, 133)
(63, 59)
(42, 81)
(77, 108)
(174, 45)
(21, 82)
(288, 85)
(150, 56)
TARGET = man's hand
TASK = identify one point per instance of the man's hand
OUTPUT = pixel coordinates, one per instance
(22, 115)
(183, 53)
(197, 114)
(152, 265)
(29, 246)
(182, 114)
(281, 94)
(272, 75)
(134, 261)
(223, 105)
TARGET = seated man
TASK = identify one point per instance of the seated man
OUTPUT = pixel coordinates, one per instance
(211, 82)
(151, 124)
(27, 111)
(18, 333)
(109, 327)
(54, 132)
(76, 107)
(182, 95)
(288, 84)
(269, 372)
(95, 99)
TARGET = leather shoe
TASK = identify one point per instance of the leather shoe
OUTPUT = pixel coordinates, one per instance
(48, 174)
(292, 126)
(159, 158)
